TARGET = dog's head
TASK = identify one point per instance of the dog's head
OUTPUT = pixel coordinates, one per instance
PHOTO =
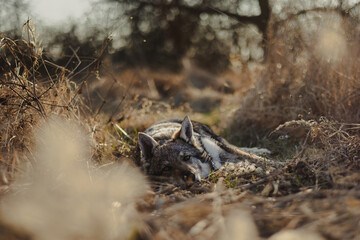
(177, 158)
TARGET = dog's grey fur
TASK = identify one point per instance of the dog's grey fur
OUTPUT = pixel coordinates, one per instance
(186, 151)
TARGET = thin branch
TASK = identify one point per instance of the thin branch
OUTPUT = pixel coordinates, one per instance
(78, 59)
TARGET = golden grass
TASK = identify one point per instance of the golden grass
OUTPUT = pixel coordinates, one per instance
(307, 97)
(310, 72)
(33, 89)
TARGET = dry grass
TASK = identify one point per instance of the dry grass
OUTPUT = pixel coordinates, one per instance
(307, 98)
(59, 159)
(311, 72)
(33, 89)
(25, 100)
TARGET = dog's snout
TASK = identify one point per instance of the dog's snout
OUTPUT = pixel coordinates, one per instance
(189, 178)
(189, 174)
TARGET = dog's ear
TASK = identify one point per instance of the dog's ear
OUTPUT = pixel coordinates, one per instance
(186, 130)
(147, 144)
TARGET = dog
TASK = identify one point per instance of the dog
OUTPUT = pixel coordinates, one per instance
(186, 151)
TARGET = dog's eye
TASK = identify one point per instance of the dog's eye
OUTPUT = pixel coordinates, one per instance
(187, 158)
(166, 169)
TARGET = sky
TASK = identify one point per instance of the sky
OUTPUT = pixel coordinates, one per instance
(56, 11)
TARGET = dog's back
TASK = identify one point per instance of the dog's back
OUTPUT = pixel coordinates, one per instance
(164, 130)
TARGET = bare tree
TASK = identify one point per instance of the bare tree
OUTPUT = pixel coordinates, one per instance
(173, 28)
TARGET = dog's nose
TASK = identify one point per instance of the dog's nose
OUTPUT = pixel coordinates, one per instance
(189, 178)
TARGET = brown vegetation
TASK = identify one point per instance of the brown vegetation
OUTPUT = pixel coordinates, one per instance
(309, 73)
(307, 98)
